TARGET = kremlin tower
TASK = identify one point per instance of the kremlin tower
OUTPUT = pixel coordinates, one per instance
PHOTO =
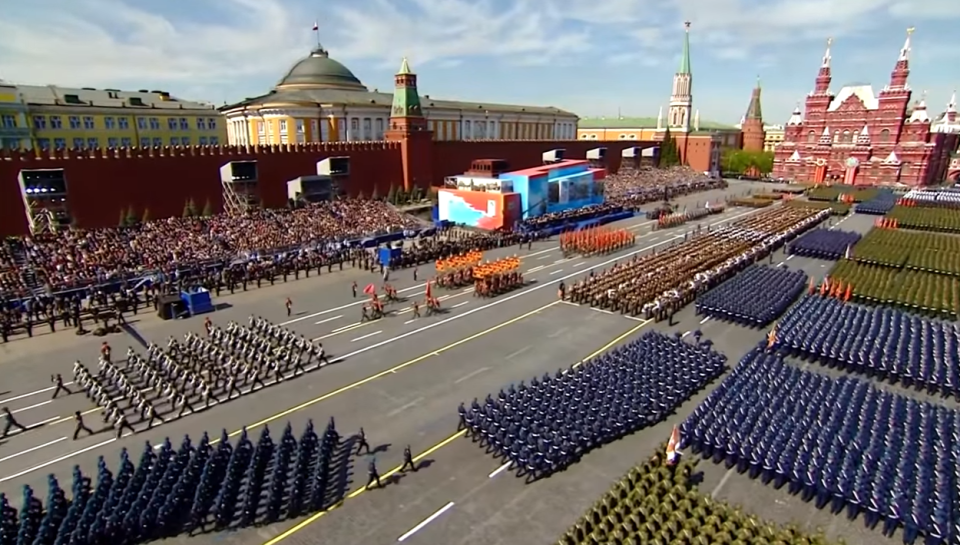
(751, 128)
(409, 127)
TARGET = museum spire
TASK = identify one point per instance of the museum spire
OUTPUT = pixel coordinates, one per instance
(901, 71)
(824, 76)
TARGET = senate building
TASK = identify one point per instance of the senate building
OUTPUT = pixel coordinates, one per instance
(321, 100)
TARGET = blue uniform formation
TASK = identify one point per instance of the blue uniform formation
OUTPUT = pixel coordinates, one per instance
(547, 425)
(879, 205)
(824, 244)
(839, 441)
(174, 490)
(754, 297)
(886, 343)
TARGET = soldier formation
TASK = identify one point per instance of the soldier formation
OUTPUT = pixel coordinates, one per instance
(596, 241)
(546, 426)
(194, 373)
(829, 244)
(755, 297)
(170, 491)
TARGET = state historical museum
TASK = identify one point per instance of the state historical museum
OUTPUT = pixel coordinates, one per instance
(860, 137)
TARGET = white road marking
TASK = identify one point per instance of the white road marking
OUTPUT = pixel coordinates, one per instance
(426, 521)
(399, 410)
(705, 320)
(544, 257)
(723, 481)
(685, 334)
(601, 310)
(57, 460)
(367, 336)
(575, 265)
(41, 404)
(558, 271)
(461, 304)
(409, 321)
(344, 328)
(337, 317)
(518, 352)
(31, 449)
(499, 470)
(789, 257)
(535, 269)
(41, 391)
(471, 375)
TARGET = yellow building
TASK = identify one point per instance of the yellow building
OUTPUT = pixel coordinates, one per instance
(321, 100)
(772, 135)
(63, 118)
(14, 130)
(652, 128)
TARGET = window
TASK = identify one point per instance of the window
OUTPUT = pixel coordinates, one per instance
(157, 142)
(172, 123)
(283, 138)
(212, 123)
(113, 143)
(184, 125)
(214, 141)
(39, 122)
(109, 122)
(93, 143)
(185, 141)
(60, 143)
(260, 125)
(56, 122)
(283, 126)
(88, 122)
(8, 122)
(44, 143)
(142, 123)
(174, 141)
(201, 124)
(126, 141)
(78, 143)
(885, 135)
(154, 124)
(74, 121)
(380, 129)
(203, 140)
(846, 137)
(145, 142)
(124, 122)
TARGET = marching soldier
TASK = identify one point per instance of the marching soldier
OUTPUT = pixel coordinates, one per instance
(408, 460)
(362, 442)
(11, 422)
(289, 304)
(153, 415)
(121, 424)
(58, 386)
(373, 476)
(80, 426)
(416, 309)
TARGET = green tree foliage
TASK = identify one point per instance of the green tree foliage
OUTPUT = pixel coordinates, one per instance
(189, 209)
(207, 209)
(131, 218)
(669, 154)
(122, 222)
(740, 161)
(375, 194)
(146, 216)
(393, 195)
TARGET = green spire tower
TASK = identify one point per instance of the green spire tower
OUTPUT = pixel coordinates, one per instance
(685, 56)
(409, 127)
(406, 113)
(679, 117)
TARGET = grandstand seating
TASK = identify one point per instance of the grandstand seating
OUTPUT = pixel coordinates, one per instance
(840, 442)
(932, 198)
(881, 342)
(547, 425)
(754, 297)
(824, 244)
(174, 490)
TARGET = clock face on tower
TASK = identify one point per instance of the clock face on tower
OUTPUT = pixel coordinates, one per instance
(398, 110)
(853, 162)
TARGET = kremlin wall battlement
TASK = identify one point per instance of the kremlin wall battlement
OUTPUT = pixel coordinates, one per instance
(102, 184)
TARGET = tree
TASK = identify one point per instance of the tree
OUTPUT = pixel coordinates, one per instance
(669, 155)
(402, 196)
(741, 161)
(131, 218)
(123, 218)
(146, 216)
(375, 194)
(392, 195)
(360, 195)
(189, 209)
(207, 209)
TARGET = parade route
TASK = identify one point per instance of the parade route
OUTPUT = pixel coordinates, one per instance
(400, 379)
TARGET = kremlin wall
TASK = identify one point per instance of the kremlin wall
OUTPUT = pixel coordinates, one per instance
(101, 184)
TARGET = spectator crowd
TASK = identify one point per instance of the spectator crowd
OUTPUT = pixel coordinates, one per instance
(77, 258)
(633, 187)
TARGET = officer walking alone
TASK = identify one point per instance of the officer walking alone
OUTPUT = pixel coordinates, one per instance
(11, 422)
(289, 304)
(408, 460)
(362, 442)
(58, 381)
(373, 476)
(78, 418)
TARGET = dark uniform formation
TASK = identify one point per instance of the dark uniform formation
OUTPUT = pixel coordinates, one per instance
(880, 204)
(824, 244)
(880, 342)
(175, 490)
(192, 374)
(656, 285)
(546, 426)
(838, 441)
(755, 297)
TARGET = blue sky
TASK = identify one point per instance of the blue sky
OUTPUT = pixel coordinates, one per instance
(591, 57)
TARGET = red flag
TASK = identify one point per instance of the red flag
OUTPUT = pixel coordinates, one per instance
(370, 289)
(316, 26)
(672, 445)
(429, 291)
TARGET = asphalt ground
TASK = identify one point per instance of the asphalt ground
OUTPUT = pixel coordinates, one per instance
(402, 382)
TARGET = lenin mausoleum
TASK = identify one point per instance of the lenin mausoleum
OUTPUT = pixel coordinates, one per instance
(857, 136)
(406, 142)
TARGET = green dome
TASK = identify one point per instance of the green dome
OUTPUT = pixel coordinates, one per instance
(319, 70)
